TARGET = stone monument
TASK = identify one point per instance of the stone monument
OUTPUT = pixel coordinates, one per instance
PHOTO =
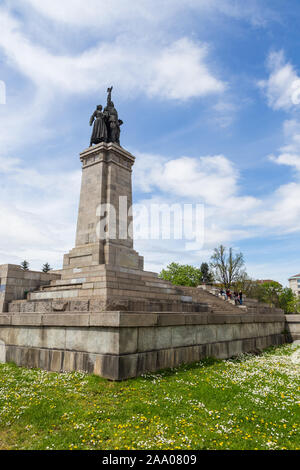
(106, 124)
(102, 312)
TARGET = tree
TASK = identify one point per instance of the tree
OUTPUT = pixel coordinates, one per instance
(293, 306)
(227, 267)
(245, 284)
(207, 276)
(288, 301)
(46, 268)
(270, 293)
(25, 265)
(182, 275)
(273, 294)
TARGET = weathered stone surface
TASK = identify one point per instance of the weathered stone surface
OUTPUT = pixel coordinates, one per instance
(2, 352)
(102, 305)
(97, 305)
(146, 362)
(138, 319)
(14, 307)
(171, 319)
(196, 319)
(27, 307)
(128, 340)
(79, 306)
(110, 367)
(106, 176)
(43, 307)
(16, 283)
(56, 361)
(66, 319)
(59, 306)
(53, 338)
(206, 334)
(293, 327)
(105, 319)
(150, 339)
(32, 319)
(183, 335)
(235, 348)
(219, 350)
(119, 367)
(5, 319)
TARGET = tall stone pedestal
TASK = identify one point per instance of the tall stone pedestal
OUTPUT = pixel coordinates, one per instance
(105, 198)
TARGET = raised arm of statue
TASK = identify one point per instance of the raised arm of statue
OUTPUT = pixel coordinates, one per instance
(109, 90)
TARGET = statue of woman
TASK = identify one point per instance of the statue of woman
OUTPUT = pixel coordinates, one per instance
(100, 129)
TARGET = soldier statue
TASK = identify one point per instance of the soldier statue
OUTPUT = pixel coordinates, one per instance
(106, 124)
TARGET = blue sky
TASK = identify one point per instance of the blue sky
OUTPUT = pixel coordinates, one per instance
(206, 89)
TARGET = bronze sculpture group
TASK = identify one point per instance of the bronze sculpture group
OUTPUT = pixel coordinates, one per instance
(106, 123)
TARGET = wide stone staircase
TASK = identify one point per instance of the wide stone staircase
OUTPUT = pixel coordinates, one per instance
(106, 289)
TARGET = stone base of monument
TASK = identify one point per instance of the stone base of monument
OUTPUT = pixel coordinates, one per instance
(120, 323)
(121, 345)
(106, 288)
(102, 313)
(293, 327)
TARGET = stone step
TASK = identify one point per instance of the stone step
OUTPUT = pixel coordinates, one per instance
(66, 282)
(63, 287)
(100, 304)
(62, 294)
(225, 312)
(118, 283)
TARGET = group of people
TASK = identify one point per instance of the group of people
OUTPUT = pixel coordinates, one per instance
(236, 296)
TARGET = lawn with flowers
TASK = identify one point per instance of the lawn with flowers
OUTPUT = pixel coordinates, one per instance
(251, 402)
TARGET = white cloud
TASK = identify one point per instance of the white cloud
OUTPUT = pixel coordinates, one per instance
(180, 71)
(281, 88)
(214, 181)
(280, 213)
(37, 213)
(289, 159)
(210, 179)
(177, 70)
(289, 154)
(22, 121)
(99, 14)
(95, 13)
(282, 209)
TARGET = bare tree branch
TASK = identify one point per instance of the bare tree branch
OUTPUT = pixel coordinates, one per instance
(227, 267)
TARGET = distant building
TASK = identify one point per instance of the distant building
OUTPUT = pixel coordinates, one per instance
(295, 284)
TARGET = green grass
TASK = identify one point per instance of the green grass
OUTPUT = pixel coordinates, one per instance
(248, 403)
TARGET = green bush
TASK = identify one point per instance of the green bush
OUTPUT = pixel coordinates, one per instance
(182, 275)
